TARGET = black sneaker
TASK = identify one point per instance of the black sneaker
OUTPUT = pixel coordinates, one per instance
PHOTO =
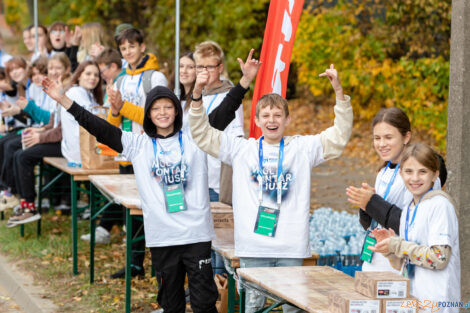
(135, 271)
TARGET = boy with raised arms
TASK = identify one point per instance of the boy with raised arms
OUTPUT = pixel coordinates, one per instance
(271, 178)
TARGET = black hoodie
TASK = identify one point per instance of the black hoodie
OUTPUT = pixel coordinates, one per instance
(111, 135)
(155, 94)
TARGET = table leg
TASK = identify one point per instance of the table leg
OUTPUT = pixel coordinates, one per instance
(231, 294)
(241, 304)
(128, 259)
(74, 210)
(92, 234)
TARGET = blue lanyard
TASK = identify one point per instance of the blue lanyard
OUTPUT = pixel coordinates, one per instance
(180, 139)
(138, 85)
(392, 180)
(28, 83)
(43, 100)
(210, 104)
(279, 171)
(407, 226)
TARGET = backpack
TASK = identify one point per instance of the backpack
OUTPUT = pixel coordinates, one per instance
(146, 81)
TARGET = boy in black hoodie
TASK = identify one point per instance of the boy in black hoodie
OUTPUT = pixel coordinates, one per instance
(171, 175)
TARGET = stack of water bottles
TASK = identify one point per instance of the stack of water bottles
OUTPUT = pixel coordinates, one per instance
(337, 237)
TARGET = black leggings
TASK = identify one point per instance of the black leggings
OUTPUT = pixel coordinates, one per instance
(171, 266)
(25, 160)
(8, 146)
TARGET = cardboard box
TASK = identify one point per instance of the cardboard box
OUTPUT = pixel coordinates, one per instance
(407, 305)
(343, 301)
(222, 215)
(382, 285)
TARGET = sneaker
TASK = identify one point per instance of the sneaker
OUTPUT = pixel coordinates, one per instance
(102, 236)
(135, 271)
(18, 211)
(8, 203)
(27, 217)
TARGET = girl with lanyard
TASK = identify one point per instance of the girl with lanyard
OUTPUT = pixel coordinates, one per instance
(428, 247)
(391, 133)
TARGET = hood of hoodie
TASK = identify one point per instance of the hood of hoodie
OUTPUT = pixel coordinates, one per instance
(226, 86)
(157, 93)
(149, 62)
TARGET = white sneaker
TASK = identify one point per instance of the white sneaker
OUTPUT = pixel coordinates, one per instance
(101, 236)
(45, 204)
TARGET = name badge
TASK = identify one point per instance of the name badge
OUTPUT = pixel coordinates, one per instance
(174, 198)
(266, 221)
(409, 270)
(367, 254)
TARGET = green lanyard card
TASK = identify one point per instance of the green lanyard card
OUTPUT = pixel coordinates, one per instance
(126, 124)
(367, 254)
(266, 221)
(174, 198)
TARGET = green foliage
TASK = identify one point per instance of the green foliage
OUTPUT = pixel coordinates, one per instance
(236, 25)
(16, 14)
(373, 70)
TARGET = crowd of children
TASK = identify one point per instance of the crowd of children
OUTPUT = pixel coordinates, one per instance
(178, 145)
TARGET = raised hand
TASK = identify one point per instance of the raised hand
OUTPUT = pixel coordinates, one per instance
(55, 90)
(202, 79)
(22, 102)
(115, 99)
(332, 75)
(72, 37)
(360, 196)
(249, 69)
(96, 49)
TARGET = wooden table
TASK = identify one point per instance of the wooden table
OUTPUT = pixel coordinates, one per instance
(306, 287)
(77, 175)
(224, 245)
(119, 189)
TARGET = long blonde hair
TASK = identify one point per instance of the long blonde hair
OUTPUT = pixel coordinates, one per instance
(91, 33)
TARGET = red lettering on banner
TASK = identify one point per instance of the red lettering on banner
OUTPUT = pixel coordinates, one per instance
(276, 52)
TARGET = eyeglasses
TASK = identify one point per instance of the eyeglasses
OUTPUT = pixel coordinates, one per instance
(209, 68)
(57, 32)
(104, 69)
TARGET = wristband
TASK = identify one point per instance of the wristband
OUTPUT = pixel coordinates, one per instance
(196, 99)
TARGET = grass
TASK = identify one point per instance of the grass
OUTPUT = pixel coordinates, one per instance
(48, 259)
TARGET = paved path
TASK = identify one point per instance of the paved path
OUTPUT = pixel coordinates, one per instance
(7, 304)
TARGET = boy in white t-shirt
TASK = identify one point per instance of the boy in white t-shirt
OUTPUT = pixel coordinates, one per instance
(271, 178)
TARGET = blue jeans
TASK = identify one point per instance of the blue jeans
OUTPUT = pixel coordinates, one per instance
(213, 196)
(254, 300)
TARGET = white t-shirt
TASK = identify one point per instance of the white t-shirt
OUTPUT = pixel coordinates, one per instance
(162, 228)
(301, 154)
(400, 197)
(70, 129)
(435, 224)
(4, 58)
(41, 99)
(132, 90)
(235, 128)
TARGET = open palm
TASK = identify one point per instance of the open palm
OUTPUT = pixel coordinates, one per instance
(55, 90)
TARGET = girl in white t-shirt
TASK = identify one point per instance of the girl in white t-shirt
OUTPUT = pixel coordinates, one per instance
(427, 249)
(391, 133)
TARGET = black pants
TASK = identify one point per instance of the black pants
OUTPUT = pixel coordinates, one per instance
(25, 160)
(171, 266)
(8, 146)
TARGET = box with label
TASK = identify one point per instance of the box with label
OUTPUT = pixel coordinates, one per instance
(343, 301)
(406, 305)
(382, 285)
(222, 215)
